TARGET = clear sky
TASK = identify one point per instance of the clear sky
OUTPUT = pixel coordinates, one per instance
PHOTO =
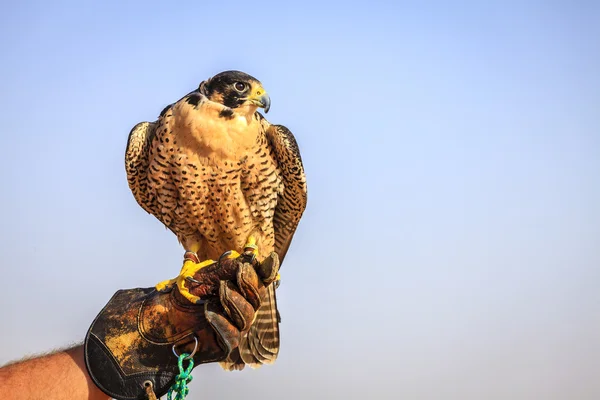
(451, 245)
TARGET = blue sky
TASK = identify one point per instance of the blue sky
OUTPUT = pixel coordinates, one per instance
(451, 245)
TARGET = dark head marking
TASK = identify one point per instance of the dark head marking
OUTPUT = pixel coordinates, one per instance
(194, 99)
(226, 113)
(164, 111)
(234, 89)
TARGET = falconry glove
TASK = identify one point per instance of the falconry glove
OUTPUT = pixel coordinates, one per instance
(135, 340)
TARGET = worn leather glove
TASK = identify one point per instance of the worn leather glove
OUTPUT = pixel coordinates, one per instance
(135, 340)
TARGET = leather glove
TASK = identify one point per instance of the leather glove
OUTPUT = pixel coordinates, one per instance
(137, 337)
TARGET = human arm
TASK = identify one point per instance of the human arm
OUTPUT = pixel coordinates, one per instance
(232, 292)
(56, 376)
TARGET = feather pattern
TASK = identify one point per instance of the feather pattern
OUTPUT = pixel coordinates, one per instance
(214, 178)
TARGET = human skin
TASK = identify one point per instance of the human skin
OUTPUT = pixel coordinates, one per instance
(58, 376)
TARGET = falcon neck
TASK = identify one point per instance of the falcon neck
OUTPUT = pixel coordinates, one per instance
(211, 129)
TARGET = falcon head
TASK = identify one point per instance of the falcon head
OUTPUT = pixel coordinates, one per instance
(238, 91)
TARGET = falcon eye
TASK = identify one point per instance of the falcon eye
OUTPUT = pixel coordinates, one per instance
(239, 86)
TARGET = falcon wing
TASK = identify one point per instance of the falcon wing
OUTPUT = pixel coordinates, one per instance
(261, 345)
(292, 202)
(136, 165)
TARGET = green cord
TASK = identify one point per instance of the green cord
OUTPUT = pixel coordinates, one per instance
(182, 380)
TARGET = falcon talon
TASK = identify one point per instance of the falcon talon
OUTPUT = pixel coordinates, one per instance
(191, 256)
(190, 279)
(166, 286)
(249, 257)
(229, 254)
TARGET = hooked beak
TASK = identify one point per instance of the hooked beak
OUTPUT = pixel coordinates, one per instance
(261, 99)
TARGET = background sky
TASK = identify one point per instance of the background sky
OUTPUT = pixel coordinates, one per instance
(451, 244)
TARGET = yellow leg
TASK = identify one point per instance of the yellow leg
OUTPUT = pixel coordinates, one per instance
(195, 247)
(251, 245)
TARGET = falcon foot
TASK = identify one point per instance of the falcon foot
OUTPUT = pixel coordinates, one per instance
(191, 265)
(251, 249)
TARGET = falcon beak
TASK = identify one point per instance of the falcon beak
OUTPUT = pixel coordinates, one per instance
(261, 99)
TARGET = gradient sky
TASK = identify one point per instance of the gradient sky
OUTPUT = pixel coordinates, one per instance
(451, 244)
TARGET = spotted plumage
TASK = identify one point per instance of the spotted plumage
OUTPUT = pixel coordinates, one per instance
(215, 172)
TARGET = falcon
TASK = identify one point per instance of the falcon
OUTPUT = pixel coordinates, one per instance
(216, 173)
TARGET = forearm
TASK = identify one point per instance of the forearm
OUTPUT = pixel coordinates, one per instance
(57, 376)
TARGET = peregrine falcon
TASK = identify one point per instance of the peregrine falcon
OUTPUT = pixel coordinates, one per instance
(214, 171)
